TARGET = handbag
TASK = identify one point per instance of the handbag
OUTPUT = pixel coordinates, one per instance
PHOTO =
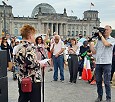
(26, 84)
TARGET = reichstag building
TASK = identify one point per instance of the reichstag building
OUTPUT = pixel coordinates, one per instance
(44, 17)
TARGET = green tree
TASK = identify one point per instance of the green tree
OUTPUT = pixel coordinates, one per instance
(113, 33)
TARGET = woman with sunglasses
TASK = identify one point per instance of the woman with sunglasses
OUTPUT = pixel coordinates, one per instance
(41, 45)
(40, 48)
(7, 47)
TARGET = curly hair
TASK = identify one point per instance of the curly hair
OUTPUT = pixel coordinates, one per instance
(26, 30)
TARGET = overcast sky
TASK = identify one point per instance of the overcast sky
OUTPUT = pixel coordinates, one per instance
(106, 8)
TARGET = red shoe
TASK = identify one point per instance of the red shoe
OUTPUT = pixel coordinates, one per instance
(93, 82)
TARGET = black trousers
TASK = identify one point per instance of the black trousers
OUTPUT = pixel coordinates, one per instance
(73, 67)
(34, 96)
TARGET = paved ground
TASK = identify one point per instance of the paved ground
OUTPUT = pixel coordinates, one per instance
(61, 92)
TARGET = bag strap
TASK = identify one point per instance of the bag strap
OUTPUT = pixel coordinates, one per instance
(25, 72)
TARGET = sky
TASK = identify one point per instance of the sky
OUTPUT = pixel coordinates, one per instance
(106, 8)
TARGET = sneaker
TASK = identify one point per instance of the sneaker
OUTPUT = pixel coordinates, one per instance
(107, 100)
(62, 81)
(93, 82)
(99, 99)
(79, 78)
(70, 82)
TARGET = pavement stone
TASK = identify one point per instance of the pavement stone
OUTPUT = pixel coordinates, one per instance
(56, 91)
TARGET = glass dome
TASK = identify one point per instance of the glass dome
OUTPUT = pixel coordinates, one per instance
(45, 8)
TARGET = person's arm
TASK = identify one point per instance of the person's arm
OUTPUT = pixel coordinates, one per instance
(74, 49)
(92, 47)
(105, 42)
(52, 48)
(47, 36)
(62, 49)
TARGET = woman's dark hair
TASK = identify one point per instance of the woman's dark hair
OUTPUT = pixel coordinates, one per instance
(12, 40)
(3, 38)
(39, 37)
(74, 40)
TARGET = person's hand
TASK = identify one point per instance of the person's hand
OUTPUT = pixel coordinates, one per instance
(70, 48)
(80, 58)
(100, 34)
(48, 32)
(89, 53)
(91, 43)
(57, 55)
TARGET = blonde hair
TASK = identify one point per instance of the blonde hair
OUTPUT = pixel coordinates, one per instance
(27, 30)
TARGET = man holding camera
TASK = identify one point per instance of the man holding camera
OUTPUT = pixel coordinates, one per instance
(103, 51)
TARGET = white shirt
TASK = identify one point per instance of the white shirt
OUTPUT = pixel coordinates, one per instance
(9, 41)
(15, 49)
(58, 47)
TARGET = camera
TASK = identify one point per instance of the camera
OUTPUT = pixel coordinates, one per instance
(96, 34)
(70, 45)
(101, 30)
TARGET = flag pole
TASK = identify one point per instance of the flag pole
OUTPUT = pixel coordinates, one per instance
(90, 6)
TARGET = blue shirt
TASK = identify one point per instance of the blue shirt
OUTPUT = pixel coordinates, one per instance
(104, 53)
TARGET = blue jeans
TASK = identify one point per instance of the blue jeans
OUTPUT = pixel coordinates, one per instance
(106, 70)
(58, 62)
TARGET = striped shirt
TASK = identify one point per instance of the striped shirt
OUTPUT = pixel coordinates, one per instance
(104, 53)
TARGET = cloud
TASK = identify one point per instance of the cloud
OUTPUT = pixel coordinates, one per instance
(106, 8)
(111, 23)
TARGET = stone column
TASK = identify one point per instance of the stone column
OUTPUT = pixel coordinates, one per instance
(82, 28)
(71, 30)
(42, 28)
(75, 29)
(47, 27)
(51, 28)
(66, 29)
(57, 28)
(88, 30)
(61, 33)
(11, 27)
(63, 29)
(78, 28)
(39, 27)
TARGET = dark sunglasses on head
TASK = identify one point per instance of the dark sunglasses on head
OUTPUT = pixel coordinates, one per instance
(39, 39)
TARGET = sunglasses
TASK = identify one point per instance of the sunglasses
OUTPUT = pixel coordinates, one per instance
(39, 39)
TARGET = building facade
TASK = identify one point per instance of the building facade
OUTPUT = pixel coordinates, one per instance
(44, 17)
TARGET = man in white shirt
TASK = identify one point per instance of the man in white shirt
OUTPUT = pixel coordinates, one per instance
(58, 58)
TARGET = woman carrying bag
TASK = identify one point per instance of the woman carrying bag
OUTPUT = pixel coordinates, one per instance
(29, 80)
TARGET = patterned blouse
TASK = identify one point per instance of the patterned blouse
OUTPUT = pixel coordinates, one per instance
(26, 60)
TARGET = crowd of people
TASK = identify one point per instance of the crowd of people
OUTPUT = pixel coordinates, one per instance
(27, 53)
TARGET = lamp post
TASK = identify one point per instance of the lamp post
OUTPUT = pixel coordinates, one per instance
(4, 29)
